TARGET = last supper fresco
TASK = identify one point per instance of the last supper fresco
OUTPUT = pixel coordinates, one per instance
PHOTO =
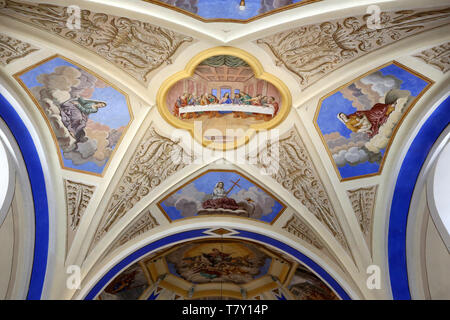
(358, 121)
(223, 93)
(222, 193)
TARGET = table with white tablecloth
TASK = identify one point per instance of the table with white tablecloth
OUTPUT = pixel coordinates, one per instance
(267, 109)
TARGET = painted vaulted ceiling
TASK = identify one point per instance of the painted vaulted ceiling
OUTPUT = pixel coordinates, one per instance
(187, 148)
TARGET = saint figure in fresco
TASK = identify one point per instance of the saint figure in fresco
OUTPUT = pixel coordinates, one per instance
(219, 198)
(368, 121)
(75, 114)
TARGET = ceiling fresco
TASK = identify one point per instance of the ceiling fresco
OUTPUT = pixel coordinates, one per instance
(224, 100)
(87, 115)
(222, 192)
(230, 10)
(220, 269)
(358, 121)
(189, 160)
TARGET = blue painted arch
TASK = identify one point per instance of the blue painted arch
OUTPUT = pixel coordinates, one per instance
(200, 233)
(403, 192)
(37, 182)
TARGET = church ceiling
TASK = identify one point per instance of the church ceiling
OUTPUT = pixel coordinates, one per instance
(135, 115)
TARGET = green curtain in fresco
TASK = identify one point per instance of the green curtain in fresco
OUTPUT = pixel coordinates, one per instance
(229, 61)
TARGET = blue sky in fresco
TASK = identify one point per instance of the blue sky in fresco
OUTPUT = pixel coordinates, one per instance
(114, 115)
(331, 106)
(228, 9)
(206, 184)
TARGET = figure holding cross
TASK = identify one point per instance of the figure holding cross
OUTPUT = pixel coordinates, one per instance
(220, 197)
(219, 190)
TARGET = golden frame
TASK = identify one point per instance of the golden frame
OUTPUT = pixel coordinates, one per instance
(212, 215)
(316, 115)
(243, 21)
(286, 99)
(55, 140)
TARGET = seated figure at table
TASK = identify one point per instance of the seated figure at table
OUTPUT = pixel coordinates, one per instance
(245, 98)
(181, 102)
(226, 99)
(274, 103)
(212, 99)
(192, 100)
(242, 99)
(237, 99)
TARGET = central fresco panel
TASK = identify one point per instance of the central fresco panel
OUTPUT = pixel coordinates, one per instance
(223, 99)
(220, 192)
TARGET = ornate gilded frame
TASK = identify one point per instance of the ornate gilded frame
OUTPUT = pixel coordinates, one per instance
(253, 62)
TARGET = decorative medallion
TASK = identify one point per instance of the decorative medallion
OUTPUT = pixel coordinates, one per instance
(223, 97)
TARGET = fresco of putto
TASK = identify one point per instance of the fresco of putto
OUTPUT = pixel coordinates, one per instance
(358, 121)
(87, 115)
(222, 193)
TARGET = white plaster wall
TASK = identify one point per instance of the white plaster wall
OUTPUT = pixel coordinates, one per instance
(438, 264)
(6, 253)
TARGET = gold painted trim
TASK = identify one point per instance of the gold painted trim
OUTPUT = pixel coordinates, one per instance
(316, 115)
(55, 140)
(217, 215)
(285, 105)
(243, 21)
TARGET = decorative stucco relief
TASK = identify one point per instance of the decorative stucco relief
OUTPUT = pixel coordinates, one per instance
(438, 57)
(313, 51)
(144, 222)
(363, 203)
(12, 49)
(299, 229)
(296, 172)
(78, 195)
(154, 160)
(134, 46)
